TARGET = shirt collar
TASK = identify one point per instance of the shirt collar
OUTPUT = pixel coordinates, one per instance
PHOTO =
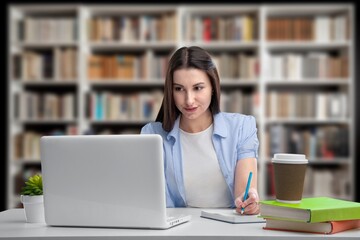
(220, 127)
(175, 130)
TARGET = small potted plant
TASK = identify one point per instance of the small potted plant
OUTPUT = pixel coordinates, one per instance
(33, 200)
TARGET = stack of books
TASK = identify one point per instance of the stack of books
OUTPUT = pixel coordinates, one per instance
(316, 215)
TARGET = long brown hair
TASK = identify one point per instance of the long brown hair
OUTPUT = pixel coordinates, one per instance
(187, 57)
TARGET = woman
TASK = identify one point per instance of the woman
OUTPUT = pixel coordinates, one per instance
(208, 154)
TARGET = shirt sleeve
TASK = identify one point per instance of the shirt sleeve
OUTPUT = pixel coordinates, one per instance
(147, 129)
(248, 144)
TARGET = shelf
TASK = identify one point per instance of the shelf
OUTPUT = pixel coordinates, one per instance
(128, 8)
(160, 83)
(48, 83)
(27, 161)
(133, 45)
(260, 59)
(305, 10)
(44, 45)
(48, 9)
(306, 45)
(324, 161)
(238, 82)
(335, 161)
(225, 45)
(46, 122)
(306, 121)
(119, 122)
(311, 82)
(218, 9)
(127, 82)
(344, 197)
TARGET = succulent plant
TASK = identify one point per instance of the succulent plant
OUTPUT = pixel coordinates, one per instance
(33, 186)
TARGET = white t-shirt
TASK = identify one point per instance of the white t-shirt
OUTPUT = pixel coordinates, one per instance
(204, 182)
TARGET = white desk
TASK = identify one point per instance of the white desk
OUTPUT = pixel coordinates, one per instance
(13, 225)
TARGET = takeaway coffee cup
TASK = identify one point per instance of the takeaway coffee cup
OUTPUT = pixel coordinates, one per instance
(289, 174)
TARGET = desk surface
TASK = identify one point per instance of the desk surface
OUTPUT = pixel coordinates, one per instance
(13, 225)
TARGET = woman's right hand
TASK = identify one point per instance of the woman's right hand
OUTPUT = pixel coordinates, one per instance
(250, 205)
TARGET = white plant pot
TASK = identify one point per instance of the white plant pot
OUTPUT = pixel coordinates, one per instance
(34, 208)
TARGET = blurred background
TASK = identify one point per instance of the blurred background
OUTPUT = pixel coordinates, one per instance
(98, 68)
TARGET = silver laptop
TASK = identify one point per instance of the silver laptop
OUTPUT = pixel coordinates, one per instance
(105, 181)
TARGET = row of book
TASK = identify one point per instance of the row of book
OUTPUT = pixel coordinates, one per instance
(198, 28)
(127, 66)
(46, 29)
(321, 28)
(296, 66)
(296, 105)
(318, 182)
(238, 101)
(221, 28)
(127, 28)
(59, 64)
(326, 142)
(322, 215)
(114, 106)
(235, 66)
(27, 143)
(154, 66)
(111, 131)
(45, 106)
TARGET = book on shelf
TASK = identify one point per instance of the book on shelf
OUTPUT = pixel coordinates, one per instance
(45, 65)
(311, 210)
(329, 227)
(230, 216)
(160, 27)
(311, 65)
(112, 106)
(326, 142)
(47, 29)
(66, 63)
(26, 145)
(44, 106)
(221, 28)
(239, 65)
(239, 101)
(120, 67)
(321, 28)
(319, 106)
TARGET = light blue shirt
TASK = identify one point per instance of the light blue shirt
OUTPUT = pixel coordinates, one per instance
(234, 138)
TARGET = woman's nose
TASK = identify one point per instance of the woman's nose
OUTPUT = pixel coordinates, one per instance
(189, 98)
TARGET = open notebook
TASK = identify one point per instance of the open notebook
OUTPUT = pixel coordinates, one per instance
(230, 216)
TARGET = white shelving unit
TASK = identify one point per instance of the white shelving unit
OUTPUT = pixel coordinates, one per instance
(258, 87)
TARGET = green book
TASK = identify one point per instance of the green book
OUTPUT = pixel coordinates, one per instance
(317, 209)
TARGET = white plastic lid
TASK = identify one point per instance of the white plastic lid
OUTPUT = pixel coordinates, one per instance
(288, 158)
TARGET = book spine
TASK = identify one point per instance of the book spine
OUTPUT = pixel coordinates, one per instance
(337, 214)
(341, 226)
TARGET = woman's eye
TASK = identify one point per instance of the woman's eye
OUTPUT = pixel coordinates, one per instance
(178, 89)
(198, 88)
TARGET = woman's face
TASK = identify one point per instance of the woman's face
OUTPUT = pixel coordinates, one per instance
(192, 93)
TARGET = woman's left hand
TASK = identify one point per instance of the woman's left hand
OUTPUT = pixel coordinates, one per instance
(250, 205)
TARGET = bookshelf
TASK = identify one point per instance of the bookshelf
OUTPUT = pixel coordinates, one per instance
(99, 69)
